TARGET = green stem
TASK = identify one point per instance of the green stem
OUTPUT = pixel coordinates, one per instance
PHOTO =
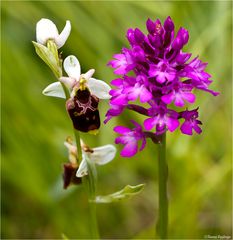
(78, 145)
(162, 178)
(90, 185)
(91, 180)
(93, 224)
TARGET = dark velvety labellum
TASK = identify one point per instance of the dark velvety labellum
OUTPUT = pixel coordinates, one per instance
(69, 175)
(83, 110)
(83, 96)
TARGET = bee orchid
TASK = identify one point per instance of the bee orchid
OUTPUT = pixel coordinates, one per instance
(85, 93)
(99, 155)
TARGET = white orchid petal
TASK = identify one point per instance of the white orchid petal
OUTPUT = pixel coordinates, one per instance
(82, 170)
(104, 154)
(99, 88)
(54, 90)
(61, 39)
(45, 29)
(69, 82)
(89, 74)
(72, 67)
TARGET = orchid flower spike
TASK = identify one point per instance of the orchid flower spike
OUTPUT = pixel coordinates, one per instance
(76, 80)
(99, 155)
(47, 30)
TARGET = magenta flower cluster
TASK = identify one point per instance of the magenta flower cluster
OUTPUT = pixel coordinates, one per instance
(156, 71)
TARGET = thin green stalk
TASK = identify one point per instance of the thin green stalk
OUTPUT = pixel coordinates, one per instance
(162, 178)
(90, 185)
(91, 180)
(93, 220)
(78, 145)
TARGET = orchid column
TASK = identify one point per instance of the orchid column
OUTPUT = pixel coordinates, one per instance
(163, 77)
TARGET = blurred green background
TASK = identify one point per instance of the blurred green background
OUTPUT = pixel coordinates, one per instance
(34, 205)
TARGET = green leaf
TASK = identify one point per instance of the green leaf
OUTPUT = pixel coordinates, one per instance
(50, 56)
(127, 192)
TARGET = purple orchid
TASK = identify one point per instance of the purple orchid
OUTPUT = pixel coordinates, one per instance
(156, 71)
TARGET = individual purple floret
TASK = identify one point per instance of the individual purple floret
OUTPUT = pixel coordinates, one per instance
(130, 139)
(180, 93)
(191, 122)
(162, 119)
(156, 74)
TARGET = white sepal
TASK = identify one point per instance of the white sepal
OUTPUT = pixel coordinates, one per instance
(54, 90)
(99, 88)
(45, 29)
(61, 39)
(103, 155)
(82, 169)
(72, 67)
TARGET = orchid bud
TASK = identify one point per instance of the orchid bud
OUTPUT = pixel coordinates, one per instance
(150, 26)
(139, 36)
(169, 25)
